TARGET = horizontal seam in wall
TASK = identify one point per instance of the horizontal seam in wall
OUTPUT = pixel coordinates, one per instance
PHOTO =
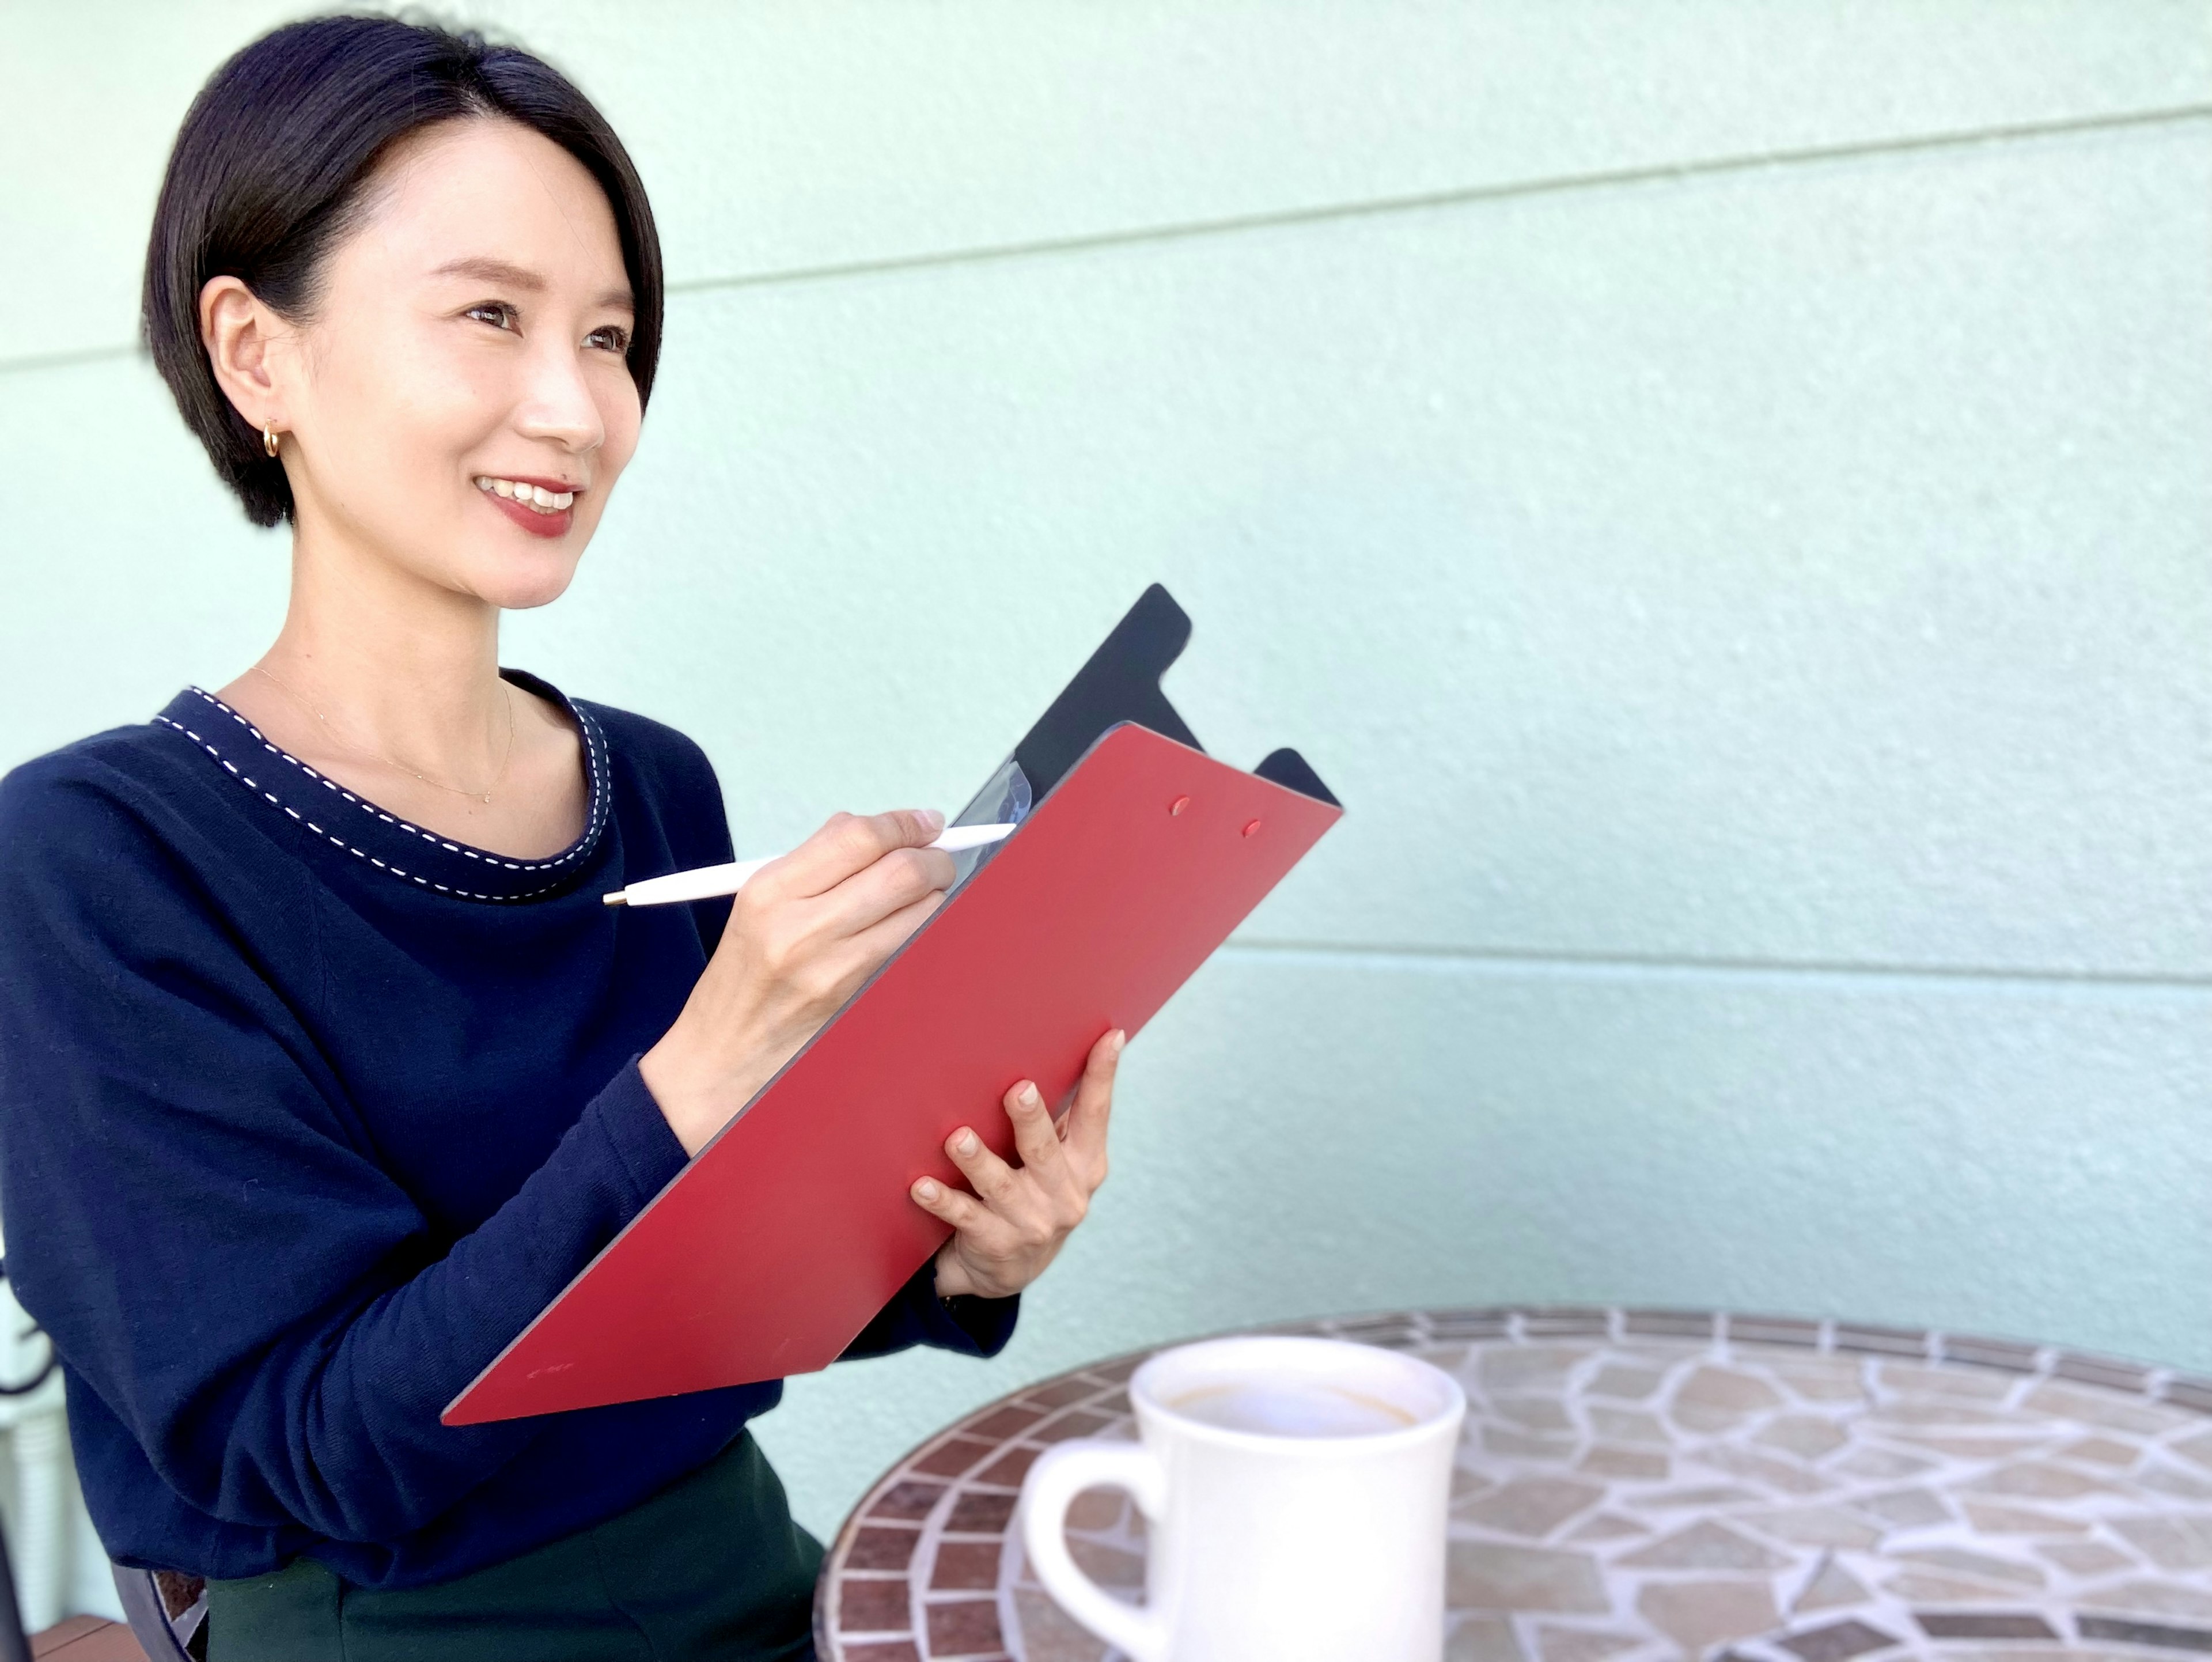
(1370, 208)
(1655, 965)
(1429, 201)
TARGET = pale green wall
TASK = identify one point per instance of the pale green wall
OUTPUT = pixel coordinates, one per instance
(1721, 488)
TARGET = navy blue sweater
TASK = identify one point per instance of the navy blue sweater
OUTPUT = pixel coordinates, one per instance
(305, 1112)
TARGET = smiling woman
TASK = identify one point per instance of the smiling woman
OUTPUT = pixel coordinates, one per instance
(467, 365)
(322, 1067)
(407, 290)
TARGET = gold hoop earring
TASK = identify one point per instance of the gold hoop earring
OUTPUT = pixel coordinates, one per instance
(269, 440)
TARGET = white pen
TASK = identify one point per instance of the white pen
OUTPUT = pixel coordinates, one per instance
(708, 881)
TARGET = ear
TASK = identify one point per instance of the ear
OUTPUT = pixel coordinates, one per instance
(244, 340)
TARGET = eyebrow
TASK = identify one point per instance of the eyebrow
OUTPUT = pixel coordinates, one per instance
(512, 275)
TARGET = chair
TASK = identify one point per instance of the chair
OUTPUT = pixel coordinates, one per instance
(14, 1643)
(166, 1611)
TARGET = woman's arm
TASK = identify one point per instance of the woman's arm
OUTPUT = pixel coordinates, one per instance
(199, 1222)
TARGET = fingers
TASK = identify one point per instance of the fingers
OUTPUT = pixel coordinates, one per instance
(995, 1182)
(987, 1254)
(1041, 1200)
(1016, 1222)
(1094, 1107)
(828, 943)
(1007, 1232)
(849, 843)
(983, 1232)
(867, 950)
(898, 878)
(894, 880)
(1035, 1134)
(962, 1212)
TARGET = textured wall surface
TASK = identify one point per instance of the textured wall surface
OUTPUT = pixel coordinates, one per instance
(1721, 490)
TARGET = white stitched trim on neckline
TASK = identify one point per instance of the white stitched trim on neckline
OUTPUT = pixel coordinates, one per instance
(599, 794)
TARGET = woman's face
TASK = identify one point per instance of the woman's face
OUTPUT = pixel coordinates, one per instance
(464, 363)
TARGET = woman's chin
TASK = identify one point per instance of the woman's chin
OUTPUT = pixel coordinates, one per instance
(521, 595)
(518, 585)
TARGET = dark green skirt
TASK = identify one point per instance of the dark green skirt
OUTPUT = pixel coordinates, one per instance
(712, 1567)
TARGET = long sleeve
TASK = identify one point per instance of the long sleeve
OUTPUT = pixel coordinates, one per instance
(965, 1325)
(200, 1218)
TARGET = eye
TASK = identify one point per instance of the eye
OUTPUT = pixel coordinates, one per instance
(496, 313)
(608, 337)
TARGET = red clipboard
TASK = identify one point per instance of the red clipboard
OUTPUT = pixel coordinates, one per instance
(771, 1250)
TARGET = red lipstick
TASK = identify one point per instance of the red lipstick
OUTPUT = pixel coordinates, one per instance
(536, 522)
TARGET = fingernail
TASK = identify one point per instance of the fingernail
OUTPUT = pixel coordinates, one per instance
(930, 818)
(926, 1189)
(965, 1142)
(1029, 1097)
(1114, 1043)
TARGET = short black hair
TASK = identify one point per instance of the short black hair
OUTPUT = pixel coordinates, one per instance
(272, 166)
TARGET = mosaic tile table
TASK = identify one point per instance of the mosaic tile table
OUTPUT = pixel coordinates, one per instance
(1636, 1485)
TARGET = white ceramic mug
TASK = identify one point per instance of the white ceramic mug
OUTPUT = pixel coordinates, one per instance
(1295, 1491)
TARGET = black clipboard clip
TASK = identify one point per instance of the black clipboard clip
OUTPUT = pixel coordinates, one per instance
(1121, 682)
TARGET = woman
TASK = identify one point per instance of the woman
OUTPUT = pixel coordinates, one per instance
(322, 1067)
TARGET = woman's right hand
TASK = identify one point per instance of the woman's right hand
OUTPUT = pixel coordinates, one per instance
(802, 934)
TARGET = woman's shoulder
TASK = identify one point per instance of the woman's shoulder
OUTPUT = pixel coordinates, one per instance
(70, 790)
(74, 822)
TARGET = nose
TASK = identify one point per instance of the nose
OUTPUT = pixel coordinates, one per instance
(557, 402)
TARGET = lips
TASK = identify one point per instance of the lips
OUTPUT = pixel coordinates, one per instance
(537, 521)
(543, 508)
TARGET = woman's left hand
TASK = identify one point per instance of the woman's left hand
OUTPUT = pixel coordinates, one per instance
(1019, 1216)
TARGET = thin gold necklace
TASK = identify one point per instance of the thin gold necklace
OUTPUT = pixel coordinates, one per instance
(483, 795)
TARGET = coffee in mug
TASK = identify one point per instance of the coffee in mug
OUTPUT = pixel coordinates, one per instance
(1295, 1491)
(1290, 1408)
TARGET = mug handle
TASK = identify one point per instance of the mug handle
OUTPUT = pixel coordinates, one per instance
(1050, 1488)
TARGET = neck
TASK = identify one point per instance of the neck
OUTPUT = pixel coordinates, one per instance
(392, 663)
